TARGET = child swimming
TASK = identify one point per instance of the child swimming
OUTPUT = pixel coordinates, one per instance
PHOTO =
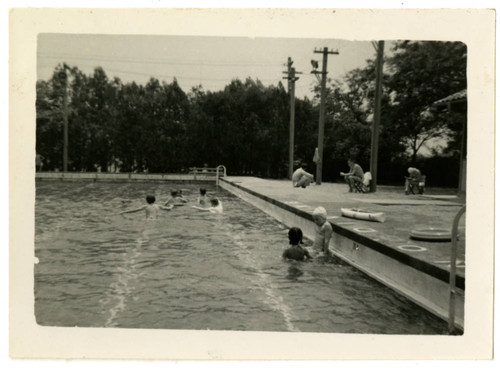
(215, 206)
(151, 208)
(175, 199)
(296, 252)
(202, 199)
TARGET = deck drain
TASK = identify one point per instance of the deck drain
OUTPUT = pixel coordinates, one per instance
(365, 230)
(412, 248)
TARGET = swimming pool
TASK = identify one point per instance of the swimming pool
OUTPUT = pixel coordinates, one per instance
(194, 270)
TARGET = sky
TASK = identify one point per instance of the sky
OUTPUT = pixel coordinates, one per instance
(210, 61)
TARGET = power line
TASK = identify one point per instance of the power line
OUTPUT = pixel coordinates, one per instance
(167, 76)
(153, 61)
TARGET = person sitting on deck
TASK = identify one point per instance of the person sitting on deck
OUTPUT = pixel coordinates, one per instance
(324, 231)
(355, 174)
(215, 206)
(414, 178)
(296, 252)
(175, 199)
(301, 178)
(151, 208)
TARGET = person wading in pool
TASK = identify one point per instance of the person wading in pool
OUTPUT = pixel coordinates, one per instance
(323, 231)
(296, 252)
(215, 206)
(150, 208)
(175, 199)
(202, 199)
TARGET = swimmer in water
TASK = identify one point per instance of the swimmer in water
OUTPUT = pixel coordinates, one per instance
(202, 199)
(215, 206)
(323, 231)
(296, 252)
(175, 199)
(150, 208)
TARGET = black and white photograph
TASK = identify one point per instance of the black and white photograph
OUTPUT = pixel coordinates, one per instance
(224, 184)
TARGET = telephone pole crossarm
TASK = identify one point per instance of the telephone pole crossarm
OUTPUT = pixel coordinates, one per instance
(325, 50)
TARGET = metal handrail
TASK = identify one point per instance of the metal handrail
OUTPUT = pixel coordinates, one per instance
(217, 174)
(453, 270)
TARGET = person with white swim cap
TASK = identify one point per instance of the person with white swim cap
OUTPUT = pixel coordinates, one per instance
(323, 231)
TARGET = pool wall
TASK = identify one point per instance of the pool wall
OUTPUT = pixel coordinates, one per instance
(421, 282)
(119, 177)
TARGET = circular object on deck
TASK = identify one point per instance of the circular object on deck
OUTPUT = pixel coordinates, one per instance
(431, 234)
(412, 248)
(364, 230)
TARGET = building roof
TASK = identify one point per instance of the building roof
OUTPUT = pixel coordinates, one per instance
(454, 98)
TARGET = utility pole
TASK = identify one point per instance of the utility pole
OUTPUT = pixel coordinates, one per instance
(379, 47)
(291, 90)
(321, 131)
(65, 121)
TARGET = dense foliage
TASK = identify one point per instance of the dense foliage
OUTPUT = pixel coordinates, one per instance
(158, 127)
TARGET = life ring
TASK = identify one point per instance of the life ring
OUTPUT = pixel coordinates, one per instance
(431, 234)
(361, 214)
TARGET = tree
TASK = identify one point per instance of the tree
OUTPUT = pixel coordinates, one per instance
(49, 119)
(158, 128)
(421, 73)
(48, 126)
(349, 111)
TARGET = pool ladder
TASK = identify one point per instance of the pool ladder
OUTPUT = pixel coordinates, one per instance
(217, 173)
(453, 270)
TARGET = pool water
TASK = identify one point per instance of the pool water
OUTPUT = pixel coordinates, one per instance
(190, 269)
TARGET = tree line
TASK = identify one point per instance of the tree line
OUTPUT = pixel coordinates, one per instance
(157, 127)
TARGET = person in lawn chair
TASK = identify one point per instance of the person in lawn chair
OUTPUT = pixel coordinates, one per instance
(355, 175)
(414, 180)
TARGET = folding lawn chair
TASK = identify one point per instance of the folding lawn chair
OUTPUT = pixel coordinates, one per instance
(363, 186)
(416, 184)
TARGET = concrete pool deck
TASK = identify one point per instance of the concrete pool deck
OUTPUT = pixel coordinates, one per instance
(418, 269)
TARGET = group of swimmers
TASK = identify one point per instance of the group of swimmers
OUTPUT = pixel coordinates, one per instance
(323, 228)
(176, 199)
(322, 236)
